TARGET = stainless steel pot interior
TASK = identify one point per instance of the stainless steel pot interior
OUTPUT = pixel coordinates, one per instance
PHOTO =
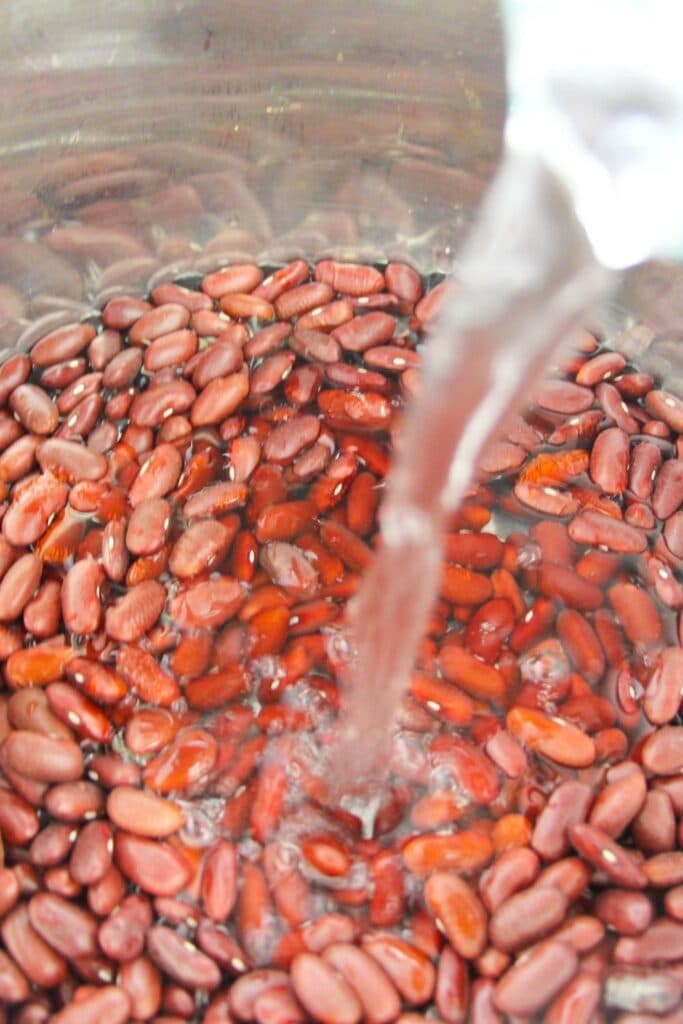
(262, 129)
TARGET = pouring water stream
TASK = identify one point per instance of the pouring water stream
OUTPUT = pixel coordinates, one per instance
(527, 278)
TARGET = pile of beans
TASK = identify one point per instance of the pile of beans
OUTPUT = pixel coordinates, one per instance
(189, 492)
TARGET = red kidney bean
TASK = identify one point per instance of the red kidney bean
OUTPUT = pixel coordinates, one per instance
(74, 801)
(153, 406)
(145, 677)
(665, 406)
(71, 459)
(51, 845)
(69, 929)
(91, 856)
(142, 982)
(568, 804)
(154, 866)
(81, 609)
(459, 912)
(148, 526)
(654, 828)
(535, 979)
(158, 476)
(18, 586)
(609, 460)
(42, 965)
(44, 758)
(108, 1003)
(603, 853)
(618, 803)
(592, 527)
(158, 321)
(237, 278)
(323, 992)
(662, 752)
(577, 1003)
(173, 349)
(14, 986)
(364, 332)
(661, 942)
(349, 278)
(62, 344)
(201, 547)
(13, 372)
(628, 913)
(181, 959)
(525, 917)
(34, 408)
(143, 814)
(219, 360)
(637, 613)
(219, 399)
(668, 489)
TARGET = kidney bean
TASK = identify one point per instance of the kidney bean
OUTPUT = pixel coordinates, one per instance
(577, 1002)
(74, 801)
(660, 942)
(409, 968)
(603, 853)
(91, 856)
(145, 677)
(663, 693)
(609, 460)
(42, 965)
(654, 828)
(13, 372)
(525, 917)
(143, 814)
(158, 476)
(80, 597)
(155, 405)
(154, 866)
(625, 912)
(14, 986)
(181, 959)
(18, 586)
(592, 527)
(43, 757)
(618, 803)
(458, 911)
(365, 332)
(535, 979)
(142, 982)
(108, 1003)
(51, 845)
(69, 929)
(62, 344)
(665, 406)
(563, 397)
(664, 870)
(662, 751)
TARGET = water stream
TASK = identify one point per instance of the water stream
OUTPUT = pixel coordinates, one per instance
(525, 280)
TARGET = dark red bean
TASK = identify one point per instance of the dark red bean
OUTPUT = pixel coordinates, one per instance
(525, 917)
(180, 959)
(604, 854)
(661, 942)
(155, 867)
(109, 1003)
(41, 964)
(67, 928)
(323, 992)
